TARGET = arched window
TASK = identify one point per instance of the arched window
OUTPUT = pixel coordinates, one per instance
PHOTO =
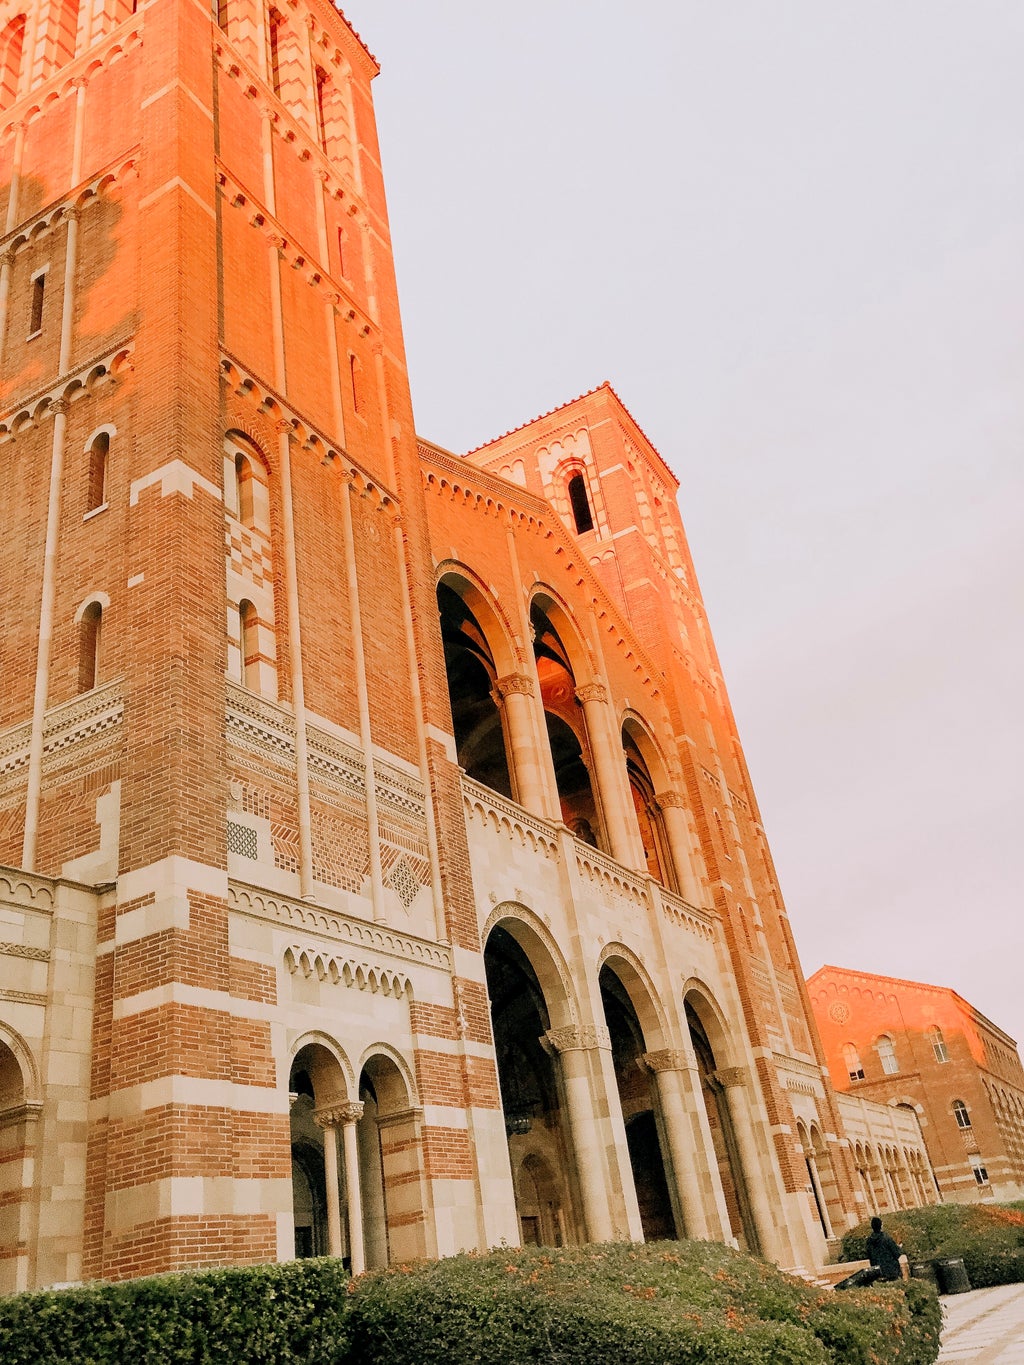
(887, 1055)
(580, 504)
(249, 645)
(89, 647)
(854, 1066)
(99, 452)
(12, 41)
(938, 1044)
(961, 1113)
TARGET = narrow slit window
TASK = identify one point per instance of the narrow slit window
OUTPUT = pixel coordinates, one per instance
(353, 372)
(321, 116)
(35, 322)
(341, 252)
(222, 15)
(89, 647)
(580, 504)
(99, 453)
(274, 49)
(248, 644)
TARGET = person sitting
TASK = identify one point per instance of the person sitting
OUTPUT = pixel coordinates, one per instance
(883, 1252)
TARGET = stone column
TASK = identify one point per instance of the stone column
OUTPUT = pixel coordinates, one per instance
(572, 1045)
(515, 695)
(733, 1081)
(819, 1193)
(668, 1067)
(329, 1120)
(677, 830)
(350, 1115)
(610, 771)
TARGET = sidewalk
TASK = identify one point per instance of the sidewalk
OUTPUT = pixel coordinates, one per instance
(984, 1327)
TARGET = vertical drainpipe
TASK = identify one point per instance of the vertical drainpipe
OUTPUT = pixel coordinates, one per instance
(49, 586)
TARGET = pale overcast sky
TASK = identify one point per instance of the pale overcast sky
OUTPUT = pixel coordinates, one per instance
(791, 234)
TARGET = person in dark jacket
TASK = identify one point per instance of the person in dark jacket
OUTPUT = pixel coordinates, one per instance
(883, 1252)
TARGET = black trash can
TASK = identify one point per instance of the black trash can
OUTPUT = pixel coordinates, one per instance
(952, 1275)
(924, 1270)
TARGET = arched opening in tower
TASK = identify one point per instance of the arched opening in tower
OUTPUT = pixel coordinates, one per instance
(723, 1136)
(566, 732)
(531, 1095)
(471, 673)
(648, 816)
(640, 1111)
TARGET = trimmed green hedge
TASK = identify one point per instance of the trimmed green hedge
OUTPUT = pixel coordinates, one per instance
(261, 1315)
(989, 1237)
(664, 1303)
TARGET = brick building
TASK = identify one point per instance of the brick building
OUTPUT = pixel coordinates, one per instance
(925, 1048)
(380, 870)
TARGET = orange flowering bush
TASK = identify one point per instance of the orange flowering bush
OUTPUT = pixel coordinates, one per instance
(664, 1303)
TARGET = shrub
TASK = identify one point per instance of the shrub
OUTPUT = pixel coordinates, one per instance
(290, 1314)
(666, 1303)
(989, 1237)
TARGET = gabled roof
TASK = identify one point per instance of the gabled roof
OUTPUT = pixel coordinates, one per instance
(604, 386)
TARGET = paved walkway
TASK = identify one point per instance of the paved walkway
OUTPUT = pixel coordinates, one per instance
(984, 1327)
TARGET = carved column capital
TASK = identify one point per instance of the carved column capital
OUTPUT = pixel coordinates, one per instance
(58, 407)
(338, 1112)
(284, 428)
(7, 257)
(576, 1037)
(670, 798)
(729, 1077)
(72, 214)
(594, 691)
(513, 682)
(668, 1059)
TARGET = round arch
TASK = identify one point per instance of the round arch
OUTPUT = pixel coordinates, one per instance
(323, 1051)
(391, 1077)
(544, 956)
(698, 995)
(546, 601)
(489, 614)
(643, 995)
(31, 1088)
(638, 730)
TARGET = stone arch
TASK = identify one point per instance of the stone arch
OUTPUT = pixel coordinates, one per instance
(483, 669)
(546, 600)
(636, 1029)
(319, 1077)
(31, 1089)
(19, 1112)
(647, 775)
(544, 954)
(702, 999)
(715, 1051)
(392, 1176)
(533, 1021)
(643, 994)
